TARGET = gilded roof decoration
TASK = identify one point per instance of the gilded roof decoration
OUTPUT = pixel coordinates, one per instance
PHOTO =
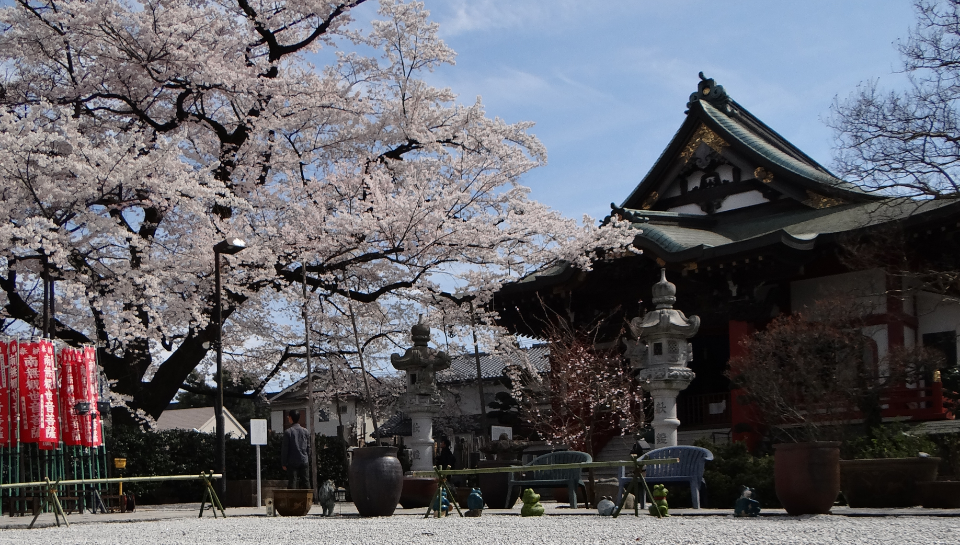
(763, 175)
(818, 201)
(651, 200)
(703, 135)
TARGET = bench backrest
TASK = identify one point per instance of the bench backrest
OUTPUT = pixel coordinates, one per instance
(692, 460)
(562, 457)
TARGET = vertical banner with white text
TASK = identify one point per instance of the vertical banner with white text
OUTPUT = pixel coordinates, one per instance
(5, 397)
(87, 385)
(29, 402)
(71, 422)
(49, 432)
(12, 361)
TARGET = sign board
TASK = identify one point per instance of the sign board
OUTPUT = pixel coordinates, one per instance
(258, 431)
(496, 431)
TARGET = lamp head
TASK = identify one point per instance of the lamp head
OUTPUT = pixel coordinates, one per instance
(229, 246)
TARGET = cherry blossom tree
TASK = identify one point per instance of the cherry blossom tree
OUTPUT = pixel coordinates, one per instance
(589, 396)
(136, 135)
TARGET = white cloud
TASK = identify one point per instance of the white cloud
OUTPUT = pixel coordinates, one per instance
(464, 16)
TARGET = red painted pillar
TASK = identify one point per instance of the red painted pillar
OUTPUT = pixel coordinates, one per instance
(739, 412)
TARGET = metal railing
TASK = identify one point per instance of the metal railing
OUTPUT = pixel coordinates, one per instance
(705, 410)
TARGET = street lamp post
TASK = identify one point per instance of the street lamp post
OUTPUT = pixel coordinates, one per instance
(229, 247)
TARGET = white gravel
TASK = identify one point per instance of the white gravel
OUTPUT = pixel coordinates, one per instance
(508, 529)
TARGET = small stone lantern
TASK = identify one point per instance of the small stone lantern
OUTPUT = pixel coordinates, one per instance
(421, 401)
(661, 354)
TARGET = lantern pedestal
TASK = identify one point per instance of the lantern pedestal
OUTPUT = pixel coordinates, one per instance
(664, 386)
(421, 441)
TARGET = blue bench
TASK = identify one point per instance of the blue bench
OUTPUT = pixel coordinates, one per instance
(569, 478)
(689, 470)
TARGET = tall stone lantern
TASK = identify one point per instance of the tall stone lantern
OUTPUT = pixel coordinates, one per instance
(661, 354)
(421, 401)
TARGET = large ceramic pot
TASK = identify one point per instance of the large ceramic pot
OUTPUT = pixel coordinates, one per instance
(418, 492)
(292, 502)
(807, 476)
(940, 494)
(886, 482)
(493, 486)
(376, 481)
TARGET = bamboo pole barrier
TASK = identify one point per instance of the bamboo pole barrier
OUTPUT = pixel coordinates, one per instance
(521, 468)
(117, 480)
(442, 475)
(52, 488)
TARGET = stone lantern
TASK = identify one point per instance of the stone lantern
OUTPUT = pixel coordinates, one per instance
(660, 355)
(421, 401)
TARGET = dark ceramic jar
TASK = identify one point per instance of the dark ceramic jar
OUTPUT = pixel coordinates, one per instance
(376, 481)
(807, 476)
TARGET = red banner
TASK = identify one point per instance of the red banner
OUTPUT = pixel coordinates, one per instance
(29, 398)
(71, 422)
(38, 390)
(87, 384)
(5, 397)
(13, 390)
(49, 406)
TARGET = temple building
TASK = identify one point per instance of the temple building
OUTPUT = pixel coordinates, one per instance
(748, 227)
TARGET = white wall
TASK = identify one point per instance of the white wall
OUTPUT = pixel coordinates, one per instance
(865, 289)
(276, 421)
(935, 314)
(467, 398)
(351, 420)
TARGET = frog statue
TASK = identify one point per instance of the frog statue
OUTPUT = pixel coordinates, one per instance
(441, 504)
(531, 504)
(659, 501)
(746, 505)
(474, 503)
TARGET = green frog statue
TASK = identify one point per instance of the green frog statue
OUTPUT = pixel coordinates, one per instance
(659, 501)
(531, 504)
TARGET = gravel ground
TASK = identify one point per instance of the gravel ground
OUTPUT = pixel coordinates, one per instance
(510, 529)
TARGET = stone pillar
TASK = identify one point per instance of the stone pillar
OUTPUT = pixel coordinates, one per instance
(665, 421)
(421, 440)
(421, 401)
(660, 355)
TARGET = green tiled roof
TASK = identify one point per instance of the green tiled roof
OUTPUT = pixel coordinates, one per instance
(770, 152)
(673, 238)
(799, 225)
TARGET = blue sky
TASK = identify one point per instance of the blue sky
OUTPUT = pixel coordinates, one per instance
(606, 81)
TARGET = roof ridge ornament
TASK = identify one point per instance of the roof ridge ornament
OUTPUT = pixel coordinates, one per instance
(710, 91)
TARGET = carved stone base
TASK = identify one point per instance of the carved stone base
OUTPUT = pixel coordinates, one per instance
(665, 383)
(421, 441)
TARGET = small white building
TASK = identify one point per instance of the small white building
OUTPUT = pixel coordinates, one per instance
(201, 419)
(460, 418)
(458, 384)
(342, 414)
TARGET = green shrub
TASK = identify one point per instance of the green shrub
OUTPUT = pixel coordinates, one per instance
(888, 441)
(732, 467)
(188, 452)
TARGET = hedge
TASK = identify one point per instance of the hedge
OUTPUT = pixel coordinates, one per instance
(187, 452)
